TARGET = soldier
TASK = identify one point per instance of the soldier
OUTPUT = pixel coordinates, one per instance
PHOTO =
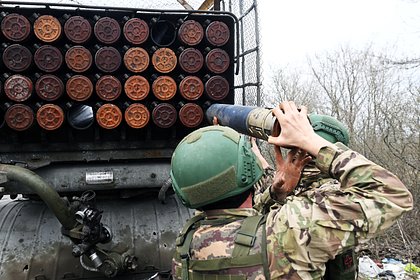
(343, 266)
(214, 170)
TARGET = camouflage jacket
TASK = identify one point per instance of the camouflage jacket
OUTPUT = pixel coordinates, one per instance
(303, 232)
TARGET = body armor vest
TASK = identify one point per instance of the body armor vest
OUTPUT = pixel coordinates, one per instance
(229, 268)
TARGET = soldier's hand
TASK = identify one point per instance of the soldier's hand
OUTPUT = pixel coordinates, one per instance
(288, 172)
(296, 130)
(256, 150)
(254, 146)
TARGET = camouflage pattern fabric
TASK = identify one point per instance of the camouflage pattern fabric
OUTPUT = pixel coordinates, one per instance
(217, 241)
(303, 232)
(262, 200)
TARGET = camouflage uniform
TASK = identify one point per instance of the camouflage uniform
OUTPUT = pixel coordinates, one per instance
(306, 230)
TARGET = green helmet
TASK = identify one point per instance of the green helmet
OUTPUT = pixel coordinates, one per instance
(211, 164)
(329, 128)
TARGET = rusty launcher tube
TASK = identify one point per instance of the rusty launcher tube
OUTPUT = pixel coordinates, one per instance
(30, 179)
(253, 121)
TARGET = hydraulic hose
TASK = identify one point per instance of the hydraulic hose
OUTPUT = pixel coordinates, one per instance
(30, 179)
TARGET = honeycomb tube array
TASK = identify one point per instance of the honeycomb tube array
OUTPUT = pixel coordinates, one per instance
(60, 64)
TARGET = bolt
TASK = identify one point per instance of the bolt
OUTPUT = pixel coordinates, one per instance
(109, 269)
(76, 252)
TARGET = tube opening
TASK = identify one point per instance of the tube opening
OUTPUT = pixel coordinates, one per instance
(80, 116)
(163, 33)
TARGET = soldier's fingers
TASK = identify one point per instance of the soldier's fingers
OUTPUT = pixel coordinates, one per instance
(305, 161)
(277, 111)
(293, 106)
(276, 141)
(272, 140)
(301, 154)
(279, 156)
(295, 151)
(304, 110)
(215, 121)
(279, 114)
(288, 106)
(285, 106)
(292, 154)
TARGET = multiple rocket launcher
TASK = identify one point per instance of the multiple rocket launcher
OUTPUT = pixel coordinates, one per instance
(77, 69)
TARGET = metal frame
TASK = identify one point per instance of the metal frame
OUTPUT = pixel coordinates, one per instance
(244, 51)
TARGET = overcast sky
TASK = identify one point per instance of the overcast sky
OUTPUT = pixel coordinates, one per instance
(293, 29)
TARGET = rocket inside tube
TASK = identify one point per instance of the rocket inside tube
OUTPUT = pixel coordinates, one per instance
(253, 121)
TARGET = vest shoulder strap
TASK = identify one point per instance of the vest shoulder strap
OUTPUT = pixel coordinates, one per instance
(246, 235)
(189, 224)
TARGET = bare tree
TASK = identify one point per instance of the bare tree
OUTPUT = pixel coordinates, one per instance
(290, 84)
(378, 100)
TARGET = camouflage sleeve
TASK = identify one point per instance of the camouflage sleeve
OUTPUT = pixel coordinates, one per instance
(262, 198)
(381, 195)
(362, 200)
